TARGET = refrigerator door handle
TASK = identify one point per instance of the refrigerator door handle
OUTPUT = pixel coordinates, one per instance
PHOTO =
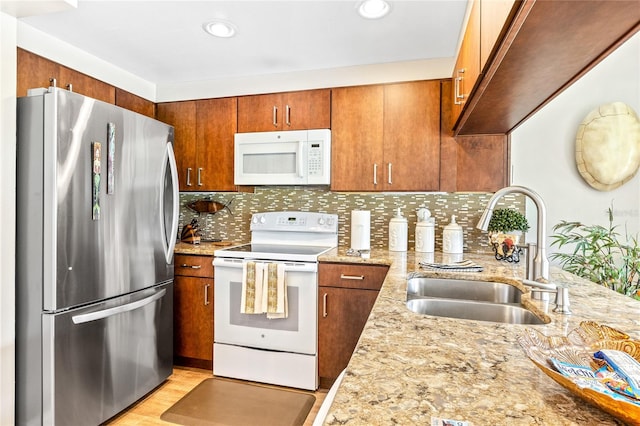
(98, 315)
(169, 240)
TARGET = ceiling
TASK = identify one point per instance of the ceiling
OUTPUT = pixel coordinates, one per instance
(163, 41)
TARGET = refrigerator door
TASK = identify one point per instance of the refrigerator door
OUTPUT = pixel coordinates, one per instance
(98, 360)
(110, 201)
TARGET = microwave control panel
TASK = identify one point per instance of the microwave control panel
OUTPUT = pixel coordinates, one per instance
(314, 161)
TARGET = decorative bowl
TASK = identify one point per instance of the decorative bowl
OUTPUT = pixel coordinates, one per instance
(578, 348)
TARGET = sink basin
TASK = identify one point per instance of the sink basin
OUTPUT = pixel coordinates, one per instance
(486, 291)
(472, 310)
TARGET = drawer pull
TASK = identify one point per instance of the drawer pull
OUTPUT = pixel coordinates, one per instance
(184, 265)
(206, 294)
(324, 305)
(351, 277)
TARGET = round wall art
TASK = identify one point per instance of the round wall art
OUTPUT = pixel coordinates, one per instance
(608, 146)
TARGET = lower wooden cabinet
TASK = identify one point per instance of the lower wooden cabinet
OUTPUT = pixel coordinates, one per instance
(193, 311)
(347, 292)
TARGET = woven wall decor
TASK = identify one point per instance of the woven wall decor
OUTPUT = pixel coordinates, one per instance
(608, 146)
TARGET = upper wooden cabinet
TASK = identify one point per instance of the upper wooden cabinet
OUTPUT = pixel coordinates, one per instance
(309, 109)
(386, 137)
(470, 163)
(494, 16)
(135, 103)
(35, 71)
(182, 116)
(545, 46)
(203, 144)
(467, 68)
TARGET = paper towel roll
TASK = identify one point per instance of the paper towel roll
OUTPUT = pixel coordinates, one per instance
(360, 229)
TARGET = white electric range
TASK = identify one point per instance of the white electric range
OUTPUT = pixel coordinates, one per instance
(280, 351)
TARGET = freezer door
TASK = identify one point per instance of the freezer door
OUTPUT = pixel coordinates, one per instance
(100, 359)
(109, 210)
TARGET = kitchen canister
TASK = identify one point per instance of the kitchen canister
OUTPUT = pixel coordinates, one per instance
(361, 230)
(398, 229)
(425, 231)
(452, 238)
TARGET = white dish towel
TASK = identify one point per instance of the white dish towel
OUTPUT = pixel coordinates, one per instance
(264, 290)
(275, 304)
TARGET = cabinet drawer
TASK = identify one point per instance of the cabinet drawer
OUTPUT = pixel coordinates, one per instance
(194, 266)
(352, 275)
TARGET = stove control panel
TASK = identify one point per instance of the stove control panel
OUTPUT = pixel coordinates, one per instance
(295, 221)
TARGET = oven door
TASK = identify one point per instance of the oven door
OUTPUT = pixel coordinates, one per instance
(297, 333)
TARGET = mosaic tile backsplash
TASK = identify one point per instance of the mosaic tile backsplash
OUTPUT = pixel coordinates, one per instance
(233, 225)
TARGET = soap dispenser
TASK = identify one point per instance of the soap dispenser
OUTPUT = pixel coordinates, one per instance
(425, 231)
(452, 238)
(398, 232)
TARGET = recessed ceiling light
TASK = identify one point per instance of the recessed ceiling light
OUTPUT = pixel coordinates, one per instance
(373, 9)
(220, 28)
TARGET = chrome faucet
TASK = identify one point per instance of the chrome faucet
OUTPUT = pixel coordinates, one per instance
(540, 270)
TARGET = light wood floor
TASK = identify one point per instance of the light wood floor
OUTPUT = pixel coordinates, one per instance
(147, 411)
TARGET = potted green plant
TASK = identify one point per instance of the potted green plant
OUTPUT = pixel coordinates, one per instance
(505, 229)
(600, 254)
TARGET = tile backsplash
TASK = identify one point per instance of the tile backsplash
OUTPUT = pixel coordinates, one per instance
(234, 225)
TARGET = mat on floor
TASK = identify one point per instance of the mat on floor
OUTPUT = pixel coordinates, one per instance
(222, 402)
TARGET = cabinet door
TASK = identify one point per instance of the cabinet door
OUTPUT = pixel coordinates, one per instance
(357, 138)
(182, 116)
(135, 103)
(467, 67)
(482, 163)
(193, 321)
(308, 109)
(342, 315)
(216, 121)
(85, 85)
(494, 15)
(412, 136)
(34, 71)
(260, 113)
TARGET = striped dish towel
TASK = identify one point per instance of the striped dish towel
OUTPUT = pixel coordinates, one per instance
(462, 266)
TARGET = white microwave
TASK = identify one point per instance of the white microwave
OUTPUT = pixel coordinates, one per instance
(295, 157)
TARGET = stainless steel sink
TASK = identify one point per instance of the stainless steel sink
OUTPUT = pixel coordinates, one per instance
(471, 310)
(486, 291)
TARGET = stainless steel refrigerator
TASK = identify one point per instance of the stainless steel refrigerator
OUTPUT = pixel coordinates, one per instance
(97, 217)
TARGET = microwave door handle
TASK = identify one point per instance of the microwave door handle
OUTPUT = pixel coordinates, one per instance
(300, 159)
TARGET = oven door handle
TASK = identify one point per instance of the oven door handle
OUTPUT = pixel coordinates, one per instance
(289, 266)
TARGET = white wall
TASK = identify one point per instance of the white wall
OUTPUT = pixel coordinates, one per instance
(7, 215)
(543, 147)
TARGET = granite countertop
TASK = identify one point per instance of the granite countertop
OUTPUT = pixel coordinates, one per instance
(204, 248)
(408, 368)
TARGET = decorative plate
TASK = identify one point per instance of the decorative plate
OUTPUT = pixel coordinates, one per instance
(578, 348)
(608, 146)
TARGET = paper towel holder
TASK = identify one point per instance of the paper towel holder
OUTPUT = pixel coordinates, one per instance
(360, 230)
